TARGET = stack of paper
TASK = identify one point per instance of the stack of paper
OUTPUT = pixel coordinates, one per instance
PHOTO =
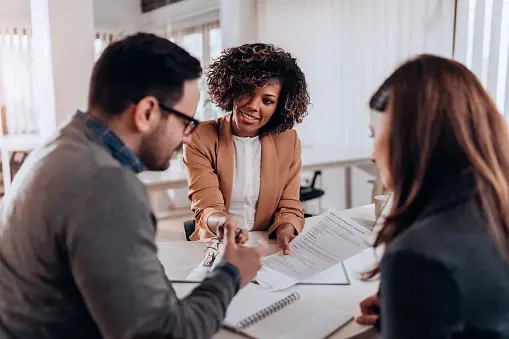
(336, 237)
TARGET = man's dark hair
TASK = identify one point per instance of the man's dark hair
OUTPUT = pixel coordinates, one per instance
(137, 66)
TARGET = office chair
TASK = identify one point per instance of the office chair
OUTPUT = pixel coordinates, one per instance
(189, 227)
(308, 193)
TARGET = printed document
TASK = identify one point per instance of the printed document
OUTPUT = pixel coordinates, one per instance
(336, 237)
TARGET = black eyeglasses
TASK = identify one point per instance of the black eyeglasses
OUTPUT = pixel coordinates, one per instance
(190, 123)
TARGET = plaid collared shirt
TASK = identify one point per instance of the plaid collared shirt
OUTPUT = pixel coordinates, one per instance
(119, 150)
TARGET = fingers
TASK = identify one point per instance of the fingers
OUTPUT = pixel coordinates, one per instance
(230, 230)
(283, 242)
(262, 249)
(370, 305)
(242, 238)
(369, 319)
(220, 232)
(370, 301)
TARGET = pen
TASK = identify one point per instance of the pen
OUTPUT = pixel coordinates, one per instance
(237, 235)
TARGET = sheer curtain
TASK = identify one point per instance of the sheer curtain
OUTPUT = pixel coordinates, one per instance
(482, 44)
(103, 39)
(18, 116)
(204, 43)
(16, 94)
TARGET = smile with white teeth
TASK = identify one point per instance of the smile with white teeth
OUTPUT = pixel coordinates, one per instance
(248, 117)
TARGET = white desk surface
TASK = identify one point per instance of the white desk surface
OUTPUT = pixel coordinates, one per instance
(173, 177)
(319, 157)
(27, 142)
(347, 297)
(313, 157)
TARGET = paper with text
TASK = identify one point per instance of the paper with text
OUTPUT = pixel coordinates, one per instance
(335, 238)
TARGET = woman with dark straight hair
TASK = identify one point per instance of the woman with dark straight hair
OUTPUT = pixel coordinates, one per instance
(442, 148)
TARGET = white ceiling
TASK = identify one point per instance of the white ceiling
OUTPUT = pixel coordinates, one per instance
(108, 13)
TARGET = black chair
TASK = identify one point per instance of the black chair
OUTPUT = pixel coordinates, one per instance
(189, 227)
(310, 192)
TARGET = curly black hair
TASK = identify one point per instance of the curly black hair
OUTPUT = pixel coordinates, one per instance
(239, 70)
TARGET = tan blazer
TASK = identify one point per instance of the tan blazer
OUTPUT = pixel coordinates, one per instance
(209, 161)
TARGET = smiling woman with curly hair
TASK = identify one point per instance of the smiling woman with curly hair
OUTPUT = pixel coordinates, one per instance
(256, 185)
(239, 71)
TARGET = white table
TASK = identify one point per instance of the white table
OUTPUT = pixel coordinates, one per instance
(347, 296)
(313, 158)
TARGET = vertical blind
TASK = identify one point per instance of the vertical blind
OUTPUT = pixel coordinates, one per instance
(481, 43)
(346, 48)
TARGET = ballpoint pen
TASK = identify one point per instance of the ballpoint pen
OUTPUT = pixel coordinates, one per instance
(237, 235)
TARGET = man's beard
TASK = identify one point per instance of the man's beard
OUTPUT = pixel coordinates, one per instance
(152, 153)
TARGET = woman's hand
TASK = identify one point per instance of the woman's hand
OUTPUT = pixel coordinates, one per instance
(227, 221)
(242, 236)
(370, 310)
(284, 234)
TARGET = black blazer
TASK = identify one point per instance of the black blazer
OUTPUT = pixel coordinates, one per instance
(444, 277)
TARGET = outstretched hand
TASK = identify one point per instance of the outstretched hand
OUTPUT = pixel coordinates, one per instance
(247, 260)
(285, 233)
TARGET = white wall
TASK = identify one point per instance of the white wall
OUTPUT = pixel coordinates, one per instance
(117, 14)
(14, 12)
(346, 48)
(239, 24)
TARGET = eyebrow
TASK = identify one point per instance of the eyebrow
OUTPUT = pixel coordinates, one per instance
(270, 95)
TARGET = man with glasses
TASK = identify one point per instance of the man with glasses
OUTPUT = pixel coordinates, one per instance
(78, 257)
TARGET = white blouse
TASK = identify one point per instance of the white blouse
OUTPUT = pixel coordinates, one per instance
(246, 180)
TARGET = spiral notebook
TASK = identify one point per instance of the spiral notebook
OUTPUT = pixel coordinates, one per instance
(258, 313)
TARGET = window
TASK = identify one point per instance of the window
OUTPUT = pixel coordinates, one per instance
(204, 43)
(102, 40)
(482, 41)
(215, 42)
(16, 79)
(193, 43)
(18, 114)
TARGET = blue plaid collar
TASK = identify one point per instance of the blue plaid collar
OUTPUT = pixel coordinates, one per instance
(119, 150)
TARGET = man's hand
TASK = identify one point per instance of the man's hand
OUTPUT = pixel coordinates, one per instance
(285, 233)
(247, 260)
(242, 236)
(370, 310)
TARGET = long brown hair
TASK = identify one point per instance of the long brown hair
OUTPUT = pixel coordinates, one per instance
(443, 123)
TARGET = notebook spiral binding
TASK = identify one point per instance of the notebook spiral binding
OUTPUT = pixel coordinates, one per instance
(267, 311)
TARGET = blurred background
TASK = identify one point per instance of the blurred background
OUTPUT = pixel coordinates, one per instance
(345, 47)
